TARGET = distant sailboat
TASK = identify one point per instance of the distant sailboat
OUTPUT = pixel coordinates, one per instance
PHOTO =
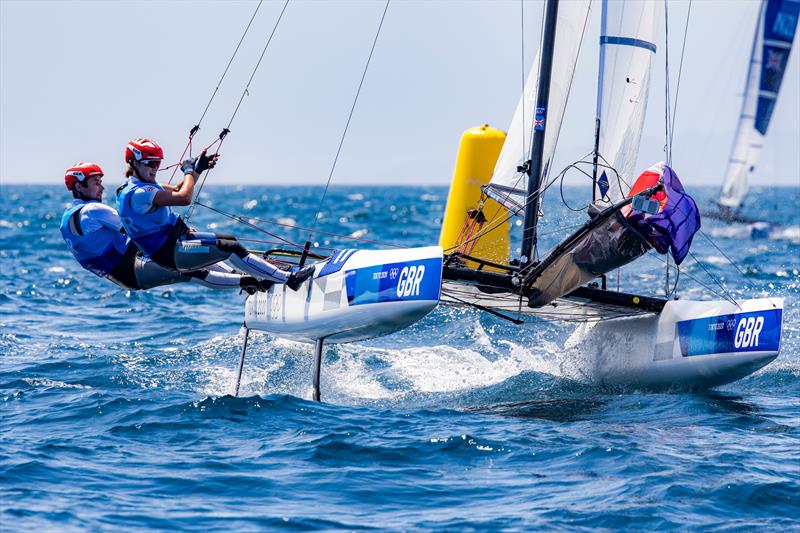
(772, 44)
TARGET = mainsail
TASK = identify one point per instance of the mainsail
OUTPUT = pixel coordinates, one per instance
(775, 29)
(654, 212)
(627, 51)
(508, 185)
(609, 241)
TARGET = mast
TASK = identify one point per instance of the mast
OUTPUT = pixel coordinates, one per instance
(603, 20)
(534, 170)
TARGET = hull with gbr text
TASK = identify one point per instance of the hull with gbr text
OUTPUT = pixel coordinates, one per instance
(688, 344)
(352, 296)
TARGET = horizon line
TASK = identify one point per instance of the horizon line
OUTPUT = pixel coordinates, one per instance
(3, 182)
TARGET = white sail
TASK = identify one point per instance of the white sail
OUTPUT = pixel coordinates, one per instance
(507, 185)
(775, 29)
(748, 141)
(627, 51)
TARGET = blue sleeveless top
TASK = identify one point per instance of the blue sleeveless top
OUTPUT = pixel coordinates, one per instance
(97, 251)
(149, 230)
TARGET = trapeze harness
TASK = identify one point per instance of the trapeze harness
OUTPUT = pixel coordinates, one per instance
(166, 239)
(109, 253)
(104, 252)
(151, 230)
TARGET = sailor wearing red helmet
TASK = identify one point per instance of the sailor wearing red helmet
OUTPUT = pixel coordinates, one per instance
(93, 232)
(164, 237)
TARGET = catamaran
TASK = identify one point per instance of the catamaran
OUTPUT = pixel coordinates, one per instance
(359, 294)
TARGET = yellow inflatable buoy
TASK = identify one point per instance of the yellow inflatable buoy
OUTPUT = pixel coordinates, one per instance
(468, 227)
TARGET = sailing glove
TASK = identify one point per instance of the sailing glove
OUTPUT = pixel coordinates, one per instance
(187, 167)
(205, 161)
(199, 164)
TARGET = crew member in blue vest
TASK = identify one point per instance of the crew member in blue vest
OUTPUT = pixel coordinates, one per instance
(93, 231)
(164, 237)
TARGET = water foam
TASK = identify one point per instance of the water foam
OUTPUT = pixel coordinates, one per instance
(790, 233)
(45, 382)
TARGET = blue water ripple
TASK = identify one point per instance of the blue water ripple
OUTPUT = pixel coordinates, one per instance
(116, 413)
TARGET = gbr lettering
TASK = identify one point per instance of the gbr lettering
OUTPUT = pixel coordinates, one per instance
(409, 280)
(747, 332)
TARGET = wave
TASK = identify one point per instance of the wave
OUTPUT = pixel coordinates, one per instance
(790, 233)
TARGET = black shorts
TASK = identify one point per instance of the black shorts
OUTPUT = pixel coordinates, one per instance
(123, 273)
(165, 256)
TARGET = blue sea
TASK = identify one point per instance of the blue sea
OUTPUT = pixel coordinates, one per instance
(116, 410)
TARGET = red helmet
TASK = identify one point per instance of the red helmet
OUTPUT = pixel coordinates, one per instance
(79, 173)
(143, 149)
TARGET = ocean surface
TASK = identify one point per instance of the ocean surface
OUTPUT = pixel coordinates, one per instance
(116, 410)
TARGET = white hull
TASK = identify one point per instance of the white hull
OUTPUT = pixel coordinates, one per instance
(362, 294)
(688, 344)
(353, 296)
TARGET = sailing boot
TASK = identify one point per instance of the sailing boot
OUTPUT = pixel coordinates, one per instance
(251, 285)
(297, 277)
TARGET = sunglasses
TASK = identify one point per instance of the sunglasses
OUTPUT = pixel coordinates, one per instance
(152, 163)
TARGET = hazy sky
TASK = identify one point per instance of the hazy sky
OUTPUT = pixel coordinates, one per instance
(79, 79)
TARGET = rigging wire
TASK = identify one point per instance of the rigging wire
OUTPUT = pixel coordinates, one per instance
(255, 69)
(562, 229)
(526, 146)
(669, 118)
(522, 77)
(714, 244)
(245, 92)
(569, 87)
(680, 70)
(667, 98)
(575, 166)
(677, 278)
(731, 261)
(728, 294)
(724, 295)
(246, 222)
(347, 125)
(301, 228)
(532, 196)
(196, 127)
(666, 277)
(522, 70)
(488, 228)
(229, 64)
(263, 241)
